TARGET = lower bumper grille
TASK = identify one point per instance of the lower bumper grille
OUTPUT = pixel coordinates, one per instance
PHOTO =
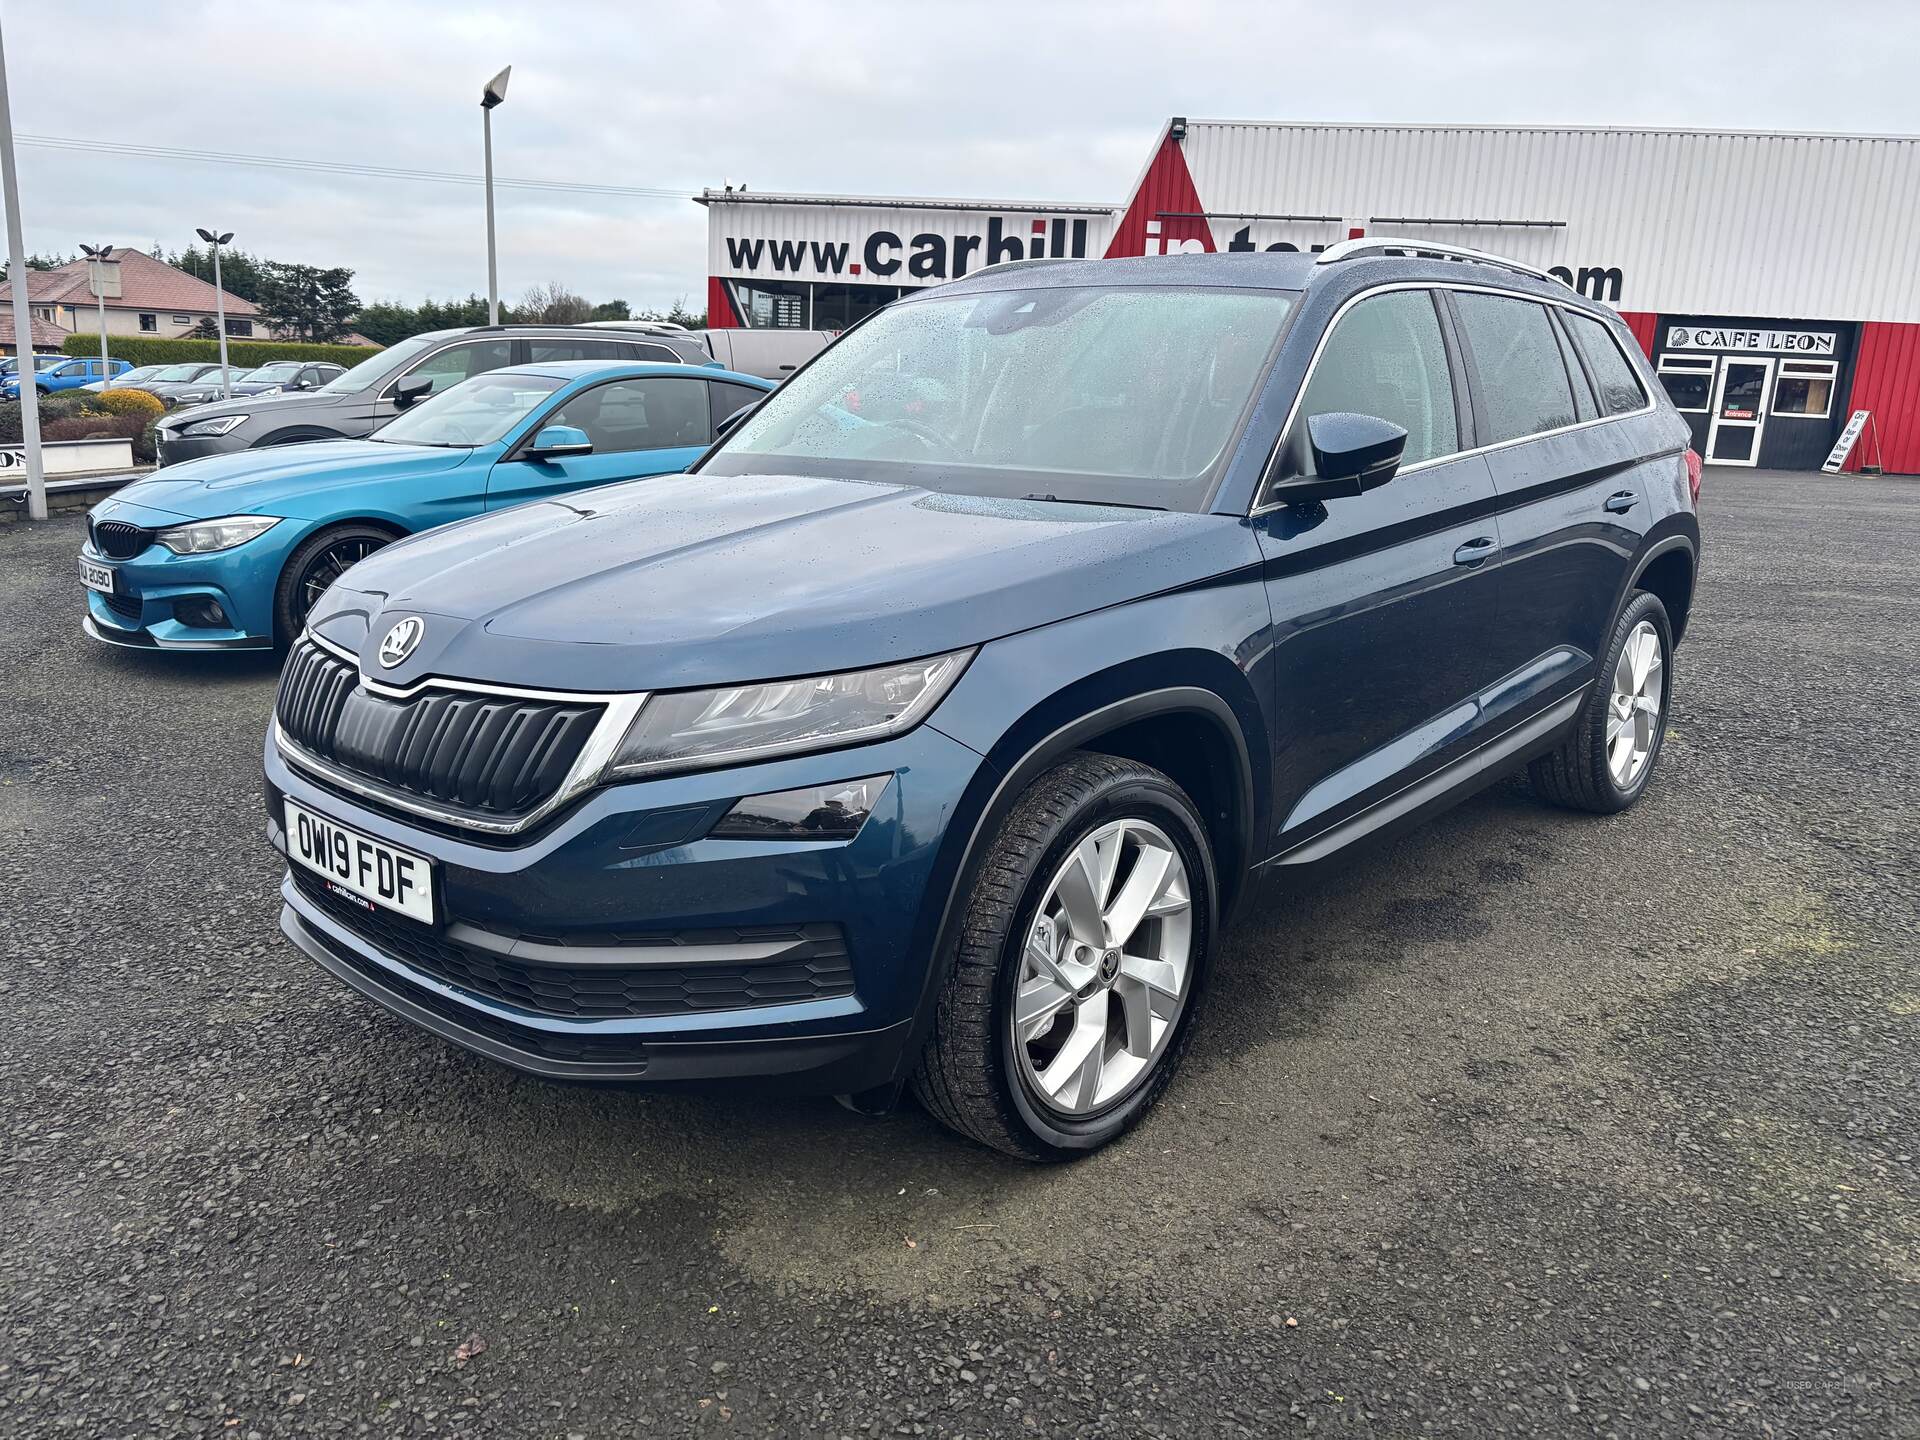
(127, 607)
(808, 962)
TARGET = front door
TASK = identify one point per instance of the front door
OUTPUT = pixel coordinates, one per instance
(1739, 412)
(647, 425)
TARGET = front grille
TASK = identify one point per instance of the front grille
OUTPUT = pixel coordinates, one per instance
(812, 964)
(496, 755)
(127, 607)
(118, 540)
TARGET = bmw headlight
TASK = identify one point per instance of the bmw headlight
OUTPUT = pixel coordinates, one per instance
(699, 729)
(201, 537)
(218, 425)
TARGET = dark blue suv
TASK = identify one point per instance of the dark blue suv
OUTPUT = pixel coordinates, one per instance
(927, 733)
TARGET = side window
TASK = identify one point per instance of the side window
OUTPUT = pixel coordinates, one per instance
(539, 350)
(449, 367)
(1620, 388)
(728, 397)
(659, 353)
(1386, 358)
(1584, 406)
(646, 414)
(1522, 379)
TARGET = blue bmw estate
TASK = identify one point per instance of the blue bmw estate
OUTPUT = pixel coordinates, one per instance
(928, 733)
(230, 551)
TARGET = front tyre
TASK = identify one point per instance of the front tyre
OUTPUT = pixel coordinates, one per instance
(1607, 759)
(1083, 953)
(321, 559)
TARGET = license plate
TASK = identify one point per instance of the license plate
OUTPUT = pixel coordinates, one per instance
(365, 869)
(96, 576)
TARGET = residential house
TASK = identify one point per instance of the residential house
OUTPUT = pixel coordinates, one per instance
(46, 337)
(155, 299)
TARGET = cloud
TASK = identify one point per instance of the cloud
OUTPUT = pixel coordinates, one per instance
(1019, 101)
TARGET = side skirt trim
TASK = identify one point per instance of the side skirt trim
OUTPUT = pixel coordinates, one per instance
(1462, 774)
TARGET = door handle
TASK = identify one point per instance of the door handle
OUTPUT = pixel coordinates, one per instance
(1621, 501)
(1475, 551)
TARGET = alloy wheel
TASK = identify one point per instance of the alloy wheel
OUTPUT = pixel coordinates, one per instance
(1105, 969)
(1633, 711)
(329, 565)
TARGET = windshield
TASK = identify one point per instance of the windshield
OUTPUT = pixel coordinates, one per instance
(1125, 396)
(277, 370)
(374, 369)
(476, 412)
(171, 373)
(139, 372)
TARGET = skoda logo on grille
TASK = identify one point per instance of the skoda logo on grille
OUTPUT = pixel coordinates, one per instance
(399, 642)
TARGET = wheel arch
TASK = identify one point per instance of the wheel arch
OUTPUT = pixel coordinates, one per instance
(1668, 571)
(316, 529)
(295, 434)
(1144, 710)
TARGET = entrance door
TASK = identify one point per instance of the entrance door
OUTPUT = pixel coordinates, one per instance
(1739, 412)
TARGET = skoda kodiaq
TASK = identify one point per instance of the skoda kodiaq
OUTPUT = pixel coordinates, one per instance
(927, 733)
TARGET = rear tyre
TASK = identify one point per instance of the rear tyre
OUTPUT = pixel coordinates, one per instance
(1083, 954)
(1607, 758)
(320, 559)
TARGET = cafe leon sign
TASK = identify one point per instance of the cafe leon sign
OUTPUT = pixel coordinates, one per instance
(1709, 337)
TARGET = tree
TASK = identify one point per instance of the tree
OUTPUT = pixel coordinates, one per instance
(553, 304)
(240, 273)
(612, 310)
(678, 315)
(203, 329)
(302, 302)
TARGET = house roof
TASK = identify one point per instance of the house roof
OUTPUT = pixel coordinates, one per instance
(145, 284)
(45, 335)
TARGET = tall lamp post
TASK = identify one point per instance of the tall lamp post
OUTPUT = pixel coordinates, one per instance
(220, 307)
(100, 279)
(494, 94)
(22, 308)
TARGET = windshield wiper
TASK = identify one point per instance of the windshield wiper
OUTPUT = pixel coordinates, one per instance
(1078, 500)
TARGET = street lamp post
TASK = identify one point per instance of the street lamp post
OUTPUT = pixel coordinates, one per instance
(22, 308)
(220, 307)
(494, 94)
(98, 258)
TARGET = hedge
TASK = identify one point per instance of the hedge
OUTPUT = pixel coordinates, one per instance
(140, 350)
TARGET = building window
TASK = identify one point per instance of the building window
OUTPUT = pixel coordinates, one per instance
(839, 307)
(771, 304)
(239, 327)
(1805, 389)
(1688, 380)
(149, 324)
(183, 319)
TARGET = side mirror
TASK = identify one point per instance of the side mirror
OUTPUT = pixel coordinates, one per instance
(308, 385)
(1352, 453)
(734, 419)
(551, 442)
(412, 390)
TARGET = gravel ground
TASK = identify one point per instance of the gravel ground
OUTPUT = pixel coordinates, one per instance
(1531, 1124)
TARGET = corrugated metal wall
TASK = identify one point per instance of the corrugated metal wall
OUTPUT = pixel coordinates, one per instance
(1886, 380)
(1809, 226)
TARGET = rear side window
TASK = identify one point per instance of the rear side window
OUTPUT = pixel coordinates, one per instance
(1613, 373)
(1386, 358)
(728, 397)
(1522, 387)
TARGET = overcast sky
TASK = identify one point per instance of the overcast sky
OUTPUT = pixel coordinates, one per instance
(1031, 100)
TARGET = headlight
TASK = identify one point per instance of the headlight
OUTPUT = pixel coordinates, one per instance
(218, 425)
(202, 536)
(698, 729)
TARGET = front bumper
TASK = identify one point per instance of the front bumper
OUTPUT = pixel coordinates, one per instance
(144, 612)
(611, 887)
(170, 448)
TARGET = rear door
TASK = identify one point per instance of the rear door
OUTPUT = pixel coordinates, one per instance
(1566, 460)
(1381, 602)
(651, 425)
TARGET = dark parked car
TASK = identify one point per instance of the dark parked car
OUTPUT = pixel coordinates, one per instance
(168, 381)
(929, 731)
(352, 405)
(274, 378)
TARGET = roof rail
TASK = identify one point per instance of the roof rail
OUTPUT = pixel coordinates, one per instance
(1378, 244)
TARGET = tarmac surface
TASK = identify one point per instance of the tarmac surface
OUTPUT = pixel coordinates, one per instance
(1531, 1124)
